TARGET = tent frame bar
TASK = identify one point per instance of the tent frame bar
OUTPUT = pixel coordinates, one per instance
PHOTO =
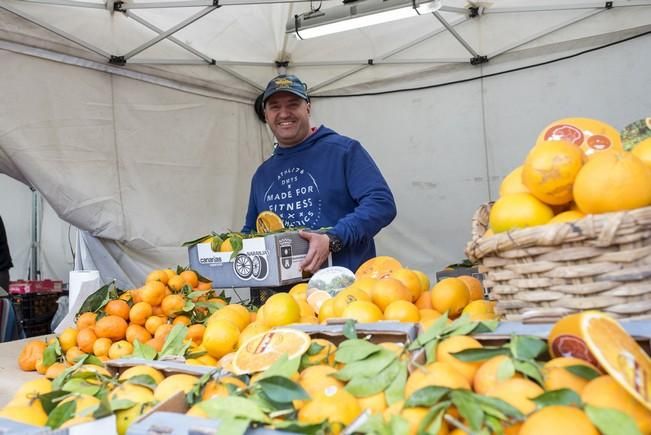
(570, 6)
(205, 58)
(170, 31)
(302, 64)
(460, 10)
(56, 31)
(77, 4)
(454, 33)
(385, 56)
(545, 32)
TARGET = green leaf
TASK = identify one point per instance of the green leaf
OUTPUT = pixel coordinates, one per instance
(526, 347)
(283, 367)
(119, 404)
(281, 389)
(143, 380)
(294, 426)
(350, 332)
(529, 369)
(430, 351)
(314, 348)
(398, 425)
(50, 354)
(463, 325)
(479, 354)
(486, 326)
(364, 386)
(495, 425)
(426, 396)
(494, 406)
(234, 407)
(174, 342)
(611, 422)
(506, 370)
(77, 385)
(61, 414)
(374, 424)
(97, 299)
(188, 306)
(143, 351)
(468, 408)
(355, 350)
(58, 382)
(237, 242)
(431, 422)
(93, 360)
(196, 241)
(216, 243)
(104, 408)
(233, 426)
(564, 396)
(367, 367)
(50, 400)
(396, 390)
(582, 371)
(432, 333)
(194, 395)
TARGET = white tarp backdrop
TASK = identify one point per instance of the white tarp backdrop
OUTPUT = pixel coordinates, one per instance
(160, 150)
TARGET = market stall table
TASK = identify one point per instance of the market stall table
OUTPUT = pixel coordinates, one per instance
(11, 376)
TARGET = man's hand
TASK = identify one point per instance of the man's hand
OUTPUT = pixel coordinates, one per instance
(317, 253)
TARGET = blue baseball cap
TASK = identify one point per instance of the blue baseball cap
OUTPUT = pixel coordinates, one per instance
(285, 83)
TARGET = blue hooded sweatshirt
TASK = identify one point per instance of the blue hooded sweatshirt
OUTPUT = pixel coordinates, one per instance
(328, 180)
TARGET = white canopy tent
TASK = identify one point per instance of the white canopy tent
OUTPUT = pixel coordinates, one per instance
(134, 119)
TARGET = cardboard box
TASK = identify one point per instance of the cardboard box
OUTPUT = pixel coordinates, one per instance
(268, 261)
(378, 332)
(167, 367)
(173, 423)
(105, 425)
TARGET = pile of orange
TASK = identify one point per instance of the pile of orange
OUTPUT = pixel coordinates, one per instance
(146, 314)
(385, 290)
(577, 167)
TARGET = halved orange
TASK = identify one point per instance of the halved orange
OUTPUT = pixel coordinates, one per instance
(259, 352)
(316, 298)
(268, 221)
(618, 354)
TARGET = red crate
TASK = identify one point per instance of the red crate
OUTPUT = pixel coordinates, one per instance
(22, 287)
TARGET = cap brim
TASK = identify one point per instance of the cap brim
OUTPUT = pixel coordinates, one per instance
(291, 91)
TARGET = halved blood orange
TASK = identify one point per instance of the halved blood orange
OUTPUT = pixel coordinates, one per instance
(619, 354)
(268, 222)
(259, 352)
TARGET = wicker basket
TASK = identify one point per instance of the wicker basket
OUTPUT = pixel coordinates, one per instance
(542, 273)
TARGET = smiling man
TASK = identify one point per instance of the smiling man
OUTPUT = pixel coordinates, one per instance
(318, 178)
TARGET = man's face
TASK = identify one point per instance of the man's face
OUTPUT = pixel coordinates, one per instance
(288, 116)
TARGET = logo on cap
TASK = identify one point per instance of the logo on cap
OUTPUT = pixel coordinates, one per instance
(283, 82)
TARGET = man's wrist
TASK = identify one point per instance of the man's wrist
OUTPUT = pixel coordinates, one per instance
(336, 244)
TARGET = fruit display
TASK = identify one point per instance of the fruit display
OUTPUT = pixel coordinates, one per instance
(444, 381)
(577, 165)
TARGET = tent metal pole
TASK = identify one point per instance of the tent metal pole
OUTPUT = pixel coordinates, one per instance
(34, 272)
(199, 3)
(385, 56)
(545, 32)
(455, 34)
(171, 31)
(383, 62)
(206, 58)
(61, 33)
(77, 4)
(564, 7)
